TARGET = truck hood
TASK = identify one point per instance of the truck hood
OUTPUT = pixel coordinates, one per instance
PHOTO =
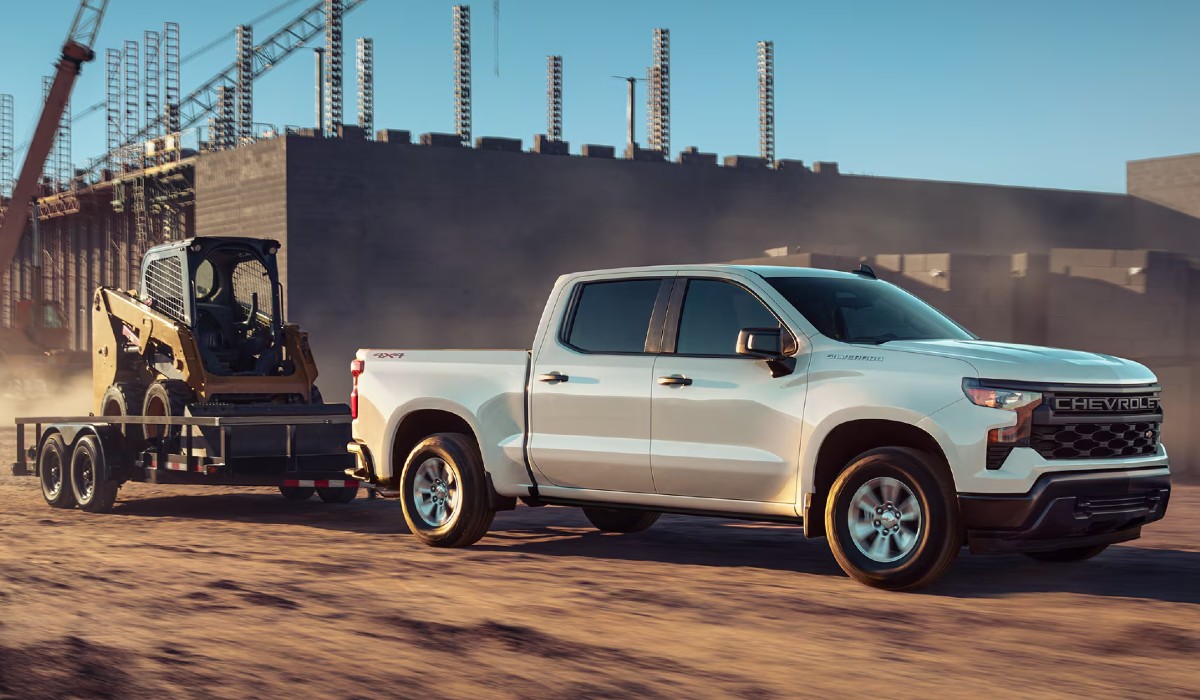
(1031, 363)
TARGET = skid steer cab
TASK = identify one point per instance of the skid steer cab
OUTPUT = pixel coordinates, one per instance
(197, 379)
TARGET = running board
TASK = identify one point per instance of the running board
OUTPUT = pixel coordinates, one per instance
(576, 503)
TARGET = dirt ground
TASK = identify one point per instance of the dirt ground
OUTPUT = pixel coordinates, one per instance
(231, 593)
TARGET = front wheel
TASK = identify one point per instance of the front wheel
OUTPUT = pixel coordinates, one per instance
(444, 492)
(892, 519)
(620, 520)
(1069, 554)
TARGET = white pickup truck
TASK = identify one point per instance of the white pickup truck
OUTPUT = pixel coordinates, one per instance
(833, 400)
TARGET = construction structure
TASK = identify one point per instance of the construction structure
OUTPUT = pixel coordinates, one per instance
(658, 95)
(462, 73)
(766, 101)
(334, 53)
(245, 83)
(554, 98)
(7, 154)
(365, 63)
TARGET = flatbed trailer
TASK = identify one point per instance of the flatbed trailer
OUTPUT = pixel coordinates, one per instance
(83, 460)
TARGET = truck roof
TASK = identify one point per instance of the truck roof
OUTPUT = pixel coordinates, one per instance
(761, 270)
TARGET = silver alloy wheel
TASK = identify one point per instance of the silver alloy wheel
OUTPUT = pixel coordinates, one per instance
(885, 519)
(436, 492)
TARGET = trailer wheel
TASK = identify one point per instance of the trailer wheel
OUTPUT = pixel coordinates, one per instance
(892, 519)
(338, 495)
(54, 461)
(297, 493)
(444, 492)
(166, 399)
(620, 520)
(94, 491)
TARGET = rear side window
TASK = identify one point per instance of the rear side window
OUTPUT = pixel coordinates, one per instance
(714, 313)
(613, 316)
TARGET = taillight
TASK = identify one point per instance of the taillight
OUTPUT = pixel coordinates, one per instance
(357, 367)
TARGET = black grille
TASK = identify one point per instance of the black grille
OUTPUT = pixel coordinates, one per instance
(1095, 440)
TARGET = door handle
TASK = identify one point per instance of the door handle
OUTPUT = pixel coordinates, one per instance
(675, 380)
(554, 377)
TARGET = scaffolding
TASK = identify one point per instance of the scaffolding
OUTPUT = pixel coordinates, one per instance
(658, 94)
(334, 10)
(766, 101)
(222, 131)
(152, 45)
(7, 152)
(245, 83)
(462, 73)
(132, 89)
(171, 85)
(554, 98)
(365, 52)
(112, 108)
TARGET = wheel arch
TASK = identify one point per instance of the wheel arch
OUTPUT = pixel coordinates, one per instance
(850, 439)
(418, 424)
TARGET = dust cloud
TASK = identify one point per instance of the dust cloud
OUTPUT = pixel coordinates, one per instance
(70, 397)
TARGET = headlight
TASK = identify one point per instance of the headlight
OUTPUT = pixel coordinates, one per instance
(993, 397)
(1018, 401)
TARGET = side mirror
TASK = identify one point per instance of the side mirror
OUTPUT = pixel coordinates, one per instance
(766, 343)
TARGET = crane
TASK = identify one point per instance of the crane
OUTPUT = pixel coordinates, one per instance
(76, 51)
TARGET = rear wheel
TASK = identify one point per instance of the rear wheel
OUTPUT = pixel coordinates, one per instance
(1069, 554)
(338, 495)
(94, 491)
(444, 492)
(892, 519)
(297, 493)
(166, 399)
(620, 520)
(53, 465)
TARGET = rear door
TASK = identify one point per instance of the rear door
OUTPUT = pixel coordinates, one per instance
(723, 427)
(590, 389)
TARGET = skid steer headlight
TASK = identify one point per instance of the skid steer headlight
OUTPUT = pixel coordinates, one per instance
(1018, 401)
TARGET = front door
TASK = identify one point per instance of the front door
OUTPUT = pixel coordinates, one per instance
(590, 389)
(723, 427)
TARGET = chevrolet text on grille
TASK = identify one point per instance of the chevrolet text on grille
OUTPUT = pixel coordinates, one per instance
(1106, 403)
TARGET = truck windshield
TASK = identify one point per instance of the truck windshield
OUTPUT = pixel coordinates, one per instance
(865, 310)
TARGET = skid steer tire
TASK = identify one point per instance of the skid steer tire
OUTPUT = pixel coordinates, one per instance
(125, 399)
(169, 399)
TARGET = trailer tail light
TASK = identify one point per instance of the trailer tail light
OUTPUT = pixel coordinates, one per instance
(357, 367)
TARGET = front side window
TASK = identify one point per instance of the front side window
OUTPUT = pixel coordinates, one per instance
(613, 316)
(865, 311)
(714, 312)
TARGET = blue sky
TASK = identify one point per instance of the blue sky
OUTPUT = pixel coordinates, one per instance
(1048, 93)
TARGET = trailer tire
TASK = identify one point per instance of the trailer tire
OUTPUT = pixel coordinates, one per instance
(168, 399)
(54, 464)
(444, 492)
(620, 519)
(337, 495)
(94, 490)
(297, 493)
(914, 533)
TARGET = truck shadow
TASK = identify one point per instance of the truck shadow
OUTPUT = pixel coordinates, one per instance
(1167, 575)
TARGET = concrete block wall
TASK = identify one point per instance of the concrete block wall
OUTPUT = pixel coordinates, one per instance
(1171, 182)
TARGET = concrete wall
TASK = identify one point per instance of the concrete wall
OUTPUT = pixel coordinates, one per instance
(1172, 182)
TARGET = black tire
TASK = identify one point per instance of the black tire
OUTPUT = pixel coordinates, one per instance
(913, 552)
(93, 490)
(455, 470)
(620, 520)
(167, 398)
(126, 399)
(315, 397)
(337, 495)
(54, 462)
(297, 493)
(1069, 554)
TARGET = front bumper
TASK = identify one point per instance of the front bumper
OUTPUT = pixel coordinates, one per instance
(1066, 509)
